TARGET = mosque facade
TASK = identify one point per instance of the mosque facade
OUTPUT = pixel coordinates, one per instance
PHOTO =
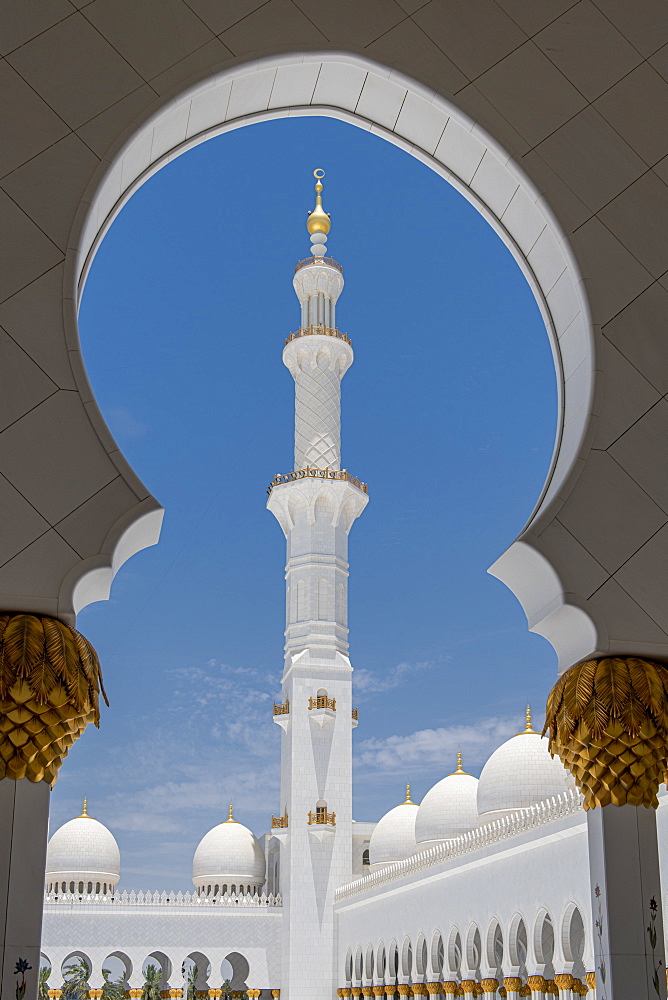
(482, 890)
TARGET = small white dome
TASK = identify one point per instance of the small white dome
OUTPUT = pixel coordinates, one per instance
(449, 809)
(229, 858)
(518, 775)
(82, 851)
(393, 838)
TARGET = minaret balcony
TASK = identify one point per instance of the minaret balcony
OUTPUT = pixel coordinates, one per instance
(318, 331)
(355, 717)
(321, 817)
(282, 714)
(279, 822)
(322, 709)
(340, 475)
(327, 261)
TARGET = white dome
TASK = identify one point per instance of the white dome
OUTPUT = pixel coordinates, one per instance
(393, 838)
(449, 808)
(229, 855)
(83, 851)
(519, 774)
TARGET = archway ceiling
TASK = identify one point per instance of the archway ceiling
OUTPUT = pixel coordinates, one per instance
(575, 93)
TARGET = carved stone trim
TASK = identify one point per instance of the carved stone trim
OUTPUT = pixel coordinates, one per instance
(608, 723)
(50, 680)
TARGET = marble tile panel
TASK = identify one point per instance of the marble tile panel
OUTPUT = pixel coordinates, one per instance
(26, 251)
(638, 331)
(474, 35)
(531, 16)
(195, 66)
(152, 35)
(643, 452)
(647, 33)
(65, 167)
(637, 108)
(588, 49)
(20, 104)
(638, 217)
(279, 20)
(349, 19)
(55, 63)
(626, 397)
(644, 578)
(21, 524)
(25, 384)
(406, 45)
(421, 123)
(531, 93)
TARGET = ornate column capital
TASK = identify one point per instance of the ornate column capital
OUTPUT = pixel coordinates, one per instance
(367, 991)
(590, 979)
(379, 990)
(253, 994)
(419, 989)
(275, 994)
(390, 990)
(564, 980)
(50, 680)
(608, 723)
(536, 984)
(469, 987)
(404, 990)
(489, 985)
(513, 983)
(450, 988)
(434, 989)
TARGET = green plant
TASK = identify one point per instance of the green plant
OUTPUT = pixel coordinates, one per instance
(75, 983)
(112, 990)
(152, 979)
(43, 991)
(227, 989)
(191, 982)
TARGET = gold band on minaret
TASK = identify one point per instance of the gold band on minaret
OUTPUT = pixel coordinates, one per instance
(318, 220)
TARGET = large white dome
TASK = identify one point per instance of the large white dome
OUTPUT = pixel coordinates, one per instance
(228, 858)
(393, 838)
(449, 809)
(519, 774)
(82, 856)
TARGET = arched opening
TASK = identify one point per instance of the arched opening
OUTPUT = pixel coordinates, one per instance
(234, 970)
(118, 968)
(76, 971)
(543, 943)
(45, 970)
(195, 969)
(349, 967)
(157, 970)
(406, 958)
(573, 939)
(358, 965)
(368, 965)
(393, 962)
(517, 945)
(421, 955)
(380, 961)
(437, 954)
(454, 952)
(473, 948)
(494, 946)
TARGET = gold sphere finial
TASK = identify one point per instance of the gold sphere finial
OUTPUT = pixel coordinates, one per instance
(230, 815)
(408, 801)
(460, 769)
(84, 811)
(318, 220)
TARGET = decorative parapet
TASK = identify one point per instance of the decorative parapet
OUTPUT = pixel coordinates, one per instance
(126, 898)
(566, 804)
(279, 822)
(322, 818)
(318, 331)
(322, 701)
(283, 708)
(356, 714)
(311, 473)
(328, 261)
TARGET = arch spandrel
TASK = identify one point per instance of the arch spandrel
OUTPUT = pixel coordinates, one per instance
(412, 115)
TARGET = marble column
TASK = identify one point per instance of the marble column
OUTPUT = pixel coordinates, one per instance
(24, 824)
(512, 985)
(489, 986)
(607, 723)
(626, 900)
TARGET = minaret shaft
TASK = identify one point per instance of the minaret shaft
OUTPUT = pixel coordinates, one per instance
(316, 505)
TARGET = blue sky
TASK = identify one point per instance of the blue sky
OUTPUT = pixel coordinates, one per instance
(449, 414)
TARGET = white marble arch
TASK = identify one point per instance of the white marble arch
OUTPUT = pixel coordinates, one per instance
(370, 96)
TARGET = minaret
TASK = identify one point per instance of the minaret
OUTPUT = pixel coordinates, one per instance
(316, 505)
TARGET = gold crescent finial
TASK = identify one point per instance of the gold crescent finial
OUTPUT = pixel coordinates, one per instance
(318, 220)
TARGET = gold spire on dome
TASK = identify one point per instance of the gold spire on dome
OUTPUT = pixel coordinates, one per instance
(318, 220)
(528, 729)
(84, 812)
(408, 800)
(460, 769)
(230, 815)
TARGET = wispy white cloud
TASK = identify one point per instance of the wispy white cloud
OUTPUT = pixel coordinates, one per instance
(374, 682)
(428, 749)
